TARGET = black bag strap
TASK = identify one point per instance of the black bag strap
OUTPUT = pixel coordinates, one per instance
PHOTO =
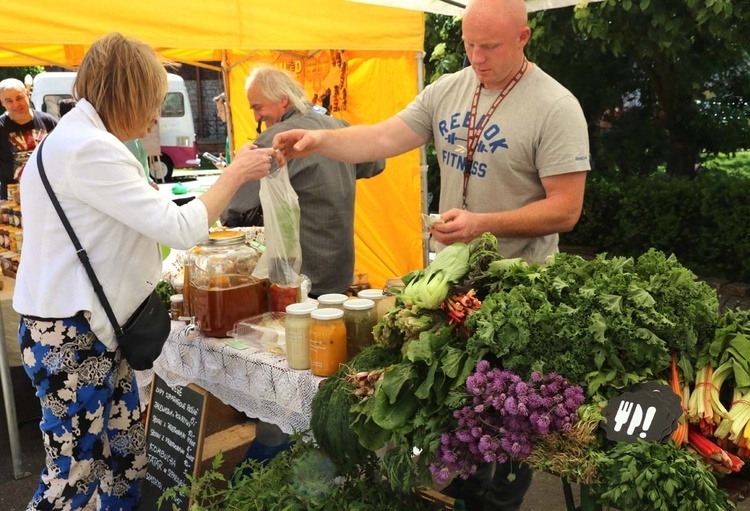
(80, 252)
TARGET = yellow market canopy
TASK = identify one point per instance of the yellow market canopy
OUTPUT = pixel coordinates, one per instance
(367, 56)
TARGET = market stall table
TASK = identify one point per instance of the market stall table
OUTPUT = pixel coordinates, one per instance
(256, 383)
(193, 187)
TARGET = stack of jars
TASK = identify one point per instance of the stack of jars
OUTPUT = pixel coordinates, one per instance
(325, 337)
(11, 233)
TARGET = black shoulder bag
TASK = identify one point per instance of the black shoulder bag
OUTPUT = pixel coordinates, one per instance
(142, 337)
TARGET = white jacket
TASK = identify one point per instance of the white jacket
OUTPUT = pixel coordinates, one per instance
(116, 215)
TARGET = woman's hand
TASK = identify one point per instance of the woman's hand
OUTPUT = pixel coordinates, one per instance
(251, 163)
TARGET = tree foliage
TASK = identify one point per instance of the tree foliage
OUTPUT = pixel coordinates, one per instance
(670, 79)
(445, 52)
(662, 83)
(19, 72)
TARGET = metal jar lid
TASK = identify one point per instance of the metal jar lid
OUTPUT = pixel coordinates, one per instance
(223, 238)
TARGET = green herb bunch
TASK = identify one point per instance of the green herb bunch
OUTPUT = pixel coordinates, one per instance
(165, 291)
(604, 324)
(576, 454)
(659, 477)
(302, 478)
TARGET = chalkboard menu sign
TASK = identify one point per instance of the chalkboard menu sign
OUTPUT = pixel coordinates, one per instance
(175, 430)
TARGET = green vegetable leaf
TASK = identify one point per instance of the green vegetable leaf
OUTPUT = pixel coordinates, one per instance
(423, 391)
(394, 380)
(392, 416)
(451, 361)
(420, 350)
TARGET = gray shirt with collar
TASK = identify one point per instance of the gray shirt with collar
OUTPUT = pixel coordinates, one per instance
(326, 190)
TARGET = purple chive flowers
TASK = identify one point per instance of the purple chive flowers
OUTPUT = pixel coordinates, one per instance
(505, 419)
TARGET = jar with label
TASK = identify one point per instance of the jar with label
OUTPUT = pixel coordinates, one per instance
(359, 319)
(282, 295)
(19, 240)
(377, 296)
(220, 284)
(393, 286)
(15, 217)
(176, 306)
(327, 341)
(178, 283)
(297, 330)
(332, 300)
(12, 192)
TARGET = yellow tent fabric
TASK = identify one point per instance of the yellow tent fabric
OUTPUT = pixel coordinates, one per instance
(310, 38)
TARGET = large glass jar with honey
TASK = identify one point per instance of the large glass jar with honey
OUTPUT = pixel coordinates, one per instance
(221, 287)
(327, 341)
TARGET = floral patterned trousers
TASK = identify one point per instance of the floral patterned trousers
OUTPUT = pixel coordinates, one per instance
(91, 422)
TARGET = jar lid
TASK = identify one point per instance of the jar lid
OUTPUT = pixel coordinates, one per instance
(176, 298)
(332, 299)
(221, 238)
(300, 308)
(359, 304)
(371, 294)
(327, 314)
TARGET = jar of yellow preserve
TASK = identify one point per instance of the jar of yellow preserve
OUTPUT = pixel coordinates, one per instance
(327, 341)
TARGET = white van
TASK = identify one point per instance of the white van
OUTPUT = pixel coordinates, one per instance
(176, 128)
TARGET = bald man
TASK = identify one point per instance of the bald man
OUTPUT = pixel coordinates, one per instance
(522, 177)
(21, 130)
(513, 150)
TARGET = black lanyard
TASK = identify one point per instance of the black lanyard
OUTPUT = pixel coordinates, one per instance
(472, 139)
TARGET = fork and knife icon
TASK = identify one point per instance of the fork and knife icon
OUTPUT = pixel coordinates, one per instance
(623, 415)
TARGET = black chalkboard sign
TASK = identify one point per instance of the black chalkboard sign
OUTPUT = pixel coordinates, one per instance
(175, 429)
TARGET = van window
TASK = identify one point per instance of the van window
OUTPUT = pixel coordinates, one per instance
(174, 105)
(51, 103)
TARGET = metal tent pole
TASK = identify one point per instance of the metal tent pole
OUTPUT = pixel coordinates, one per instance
(10, 409)
(423, 168)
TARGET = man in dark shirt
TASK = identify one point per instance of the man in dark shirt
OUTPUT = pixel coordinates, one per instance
(21, 130)
(325, 187)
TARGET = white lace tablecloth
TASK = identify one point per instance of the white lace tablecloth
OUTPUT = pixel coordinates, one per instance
(257, 383)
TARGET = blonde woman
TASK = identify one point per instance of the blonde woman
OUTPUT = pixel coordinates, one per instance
(91, 424)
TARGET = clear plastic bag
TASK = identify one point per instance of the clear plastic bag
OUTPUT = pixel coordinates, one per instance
(282, 259)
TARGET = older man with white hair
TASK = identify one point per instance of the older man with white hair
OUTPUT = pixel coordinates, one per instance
(21, 130)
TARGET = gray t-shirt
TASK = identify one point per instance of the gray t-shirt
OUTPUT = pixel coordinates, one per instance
(538, 130)
(326, 190)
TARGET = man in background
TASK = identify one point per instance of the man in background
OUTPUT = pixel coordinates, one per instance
(325, 187)
(21, 130)
(221, 112)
